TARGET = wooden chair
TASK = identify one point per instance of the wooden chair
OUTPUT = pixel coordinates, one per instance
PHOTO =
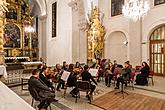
(138, 68)
(25, 77)
(116, 72)
(151, 74)
(131, 80)
(83, 86)
(35, 96)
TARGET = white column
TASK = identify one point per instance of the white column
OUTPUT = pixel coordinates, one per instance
(135, 44)
(42, 37)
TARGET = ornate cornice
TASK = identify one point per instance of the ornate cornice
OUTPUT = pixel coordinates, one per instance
(73, 5)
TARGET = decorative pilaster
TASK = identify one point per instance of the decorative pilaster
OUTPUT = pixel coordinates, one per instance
(79, 24)
(1, 41)
(3, 8)
(78, 5)
(81, 11)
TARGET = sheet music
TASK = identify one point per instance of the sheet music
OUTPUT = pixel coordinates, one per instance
(93, 72)
(65, 75)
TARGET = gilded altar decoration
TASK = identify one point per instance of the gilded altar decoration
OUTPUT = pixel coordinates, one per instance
(3, 7)
(95, 36)
(18, 33)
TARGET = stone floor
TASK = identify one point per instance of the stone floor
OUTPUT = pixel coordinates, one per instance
(68, 103)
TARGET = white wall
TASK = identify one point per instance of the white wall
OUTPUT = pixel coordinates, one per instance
(59, 48)
(138, 45)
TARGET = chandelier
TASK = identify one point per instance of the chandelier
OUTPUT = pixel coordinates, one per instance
(3, 7)
(135, 9)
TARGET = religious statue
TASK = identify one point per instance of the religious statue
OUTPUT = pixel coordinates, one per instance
(95, 34)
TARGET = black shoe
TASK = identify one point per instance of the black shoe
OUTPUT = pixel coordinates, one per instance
(108, 85)
(55, 100)
(116, 87)
(73, 95)
(58, 90)
(42, 106)
(88, 97)
(39, 106)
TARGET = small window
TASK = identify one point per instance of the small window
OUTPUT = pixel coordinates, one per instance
(54, 19)
(116, 7)
(158, 2)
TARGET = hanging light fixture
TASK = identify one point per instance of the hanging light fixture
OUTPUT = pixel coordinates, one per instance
(135, 9)
(3, 7)
(29, 29)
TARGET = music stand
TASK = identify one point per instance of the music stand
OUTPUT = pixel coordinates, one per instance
(122, 90)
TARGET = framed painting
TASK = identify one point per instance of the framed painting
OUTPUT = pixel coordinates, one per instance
(12, 36)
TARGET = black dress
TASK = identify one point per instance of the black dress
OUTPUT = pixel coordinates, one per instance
(141, 79)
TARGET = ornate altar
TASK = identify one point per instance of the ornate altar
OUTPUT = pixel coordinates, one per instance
(95, 36)
(18, 42)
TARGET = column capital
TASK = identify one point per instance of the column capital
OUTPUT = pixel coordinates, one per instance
(73, 5)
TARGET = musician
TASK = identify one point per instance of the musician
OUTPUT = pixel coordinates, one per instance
(124, 76)
(109, 73)
(86, 76)
(45, 76)
(65, 66)
(59, 71)
(45, 95)
(97, 65)
(141, 79)
(72, 79)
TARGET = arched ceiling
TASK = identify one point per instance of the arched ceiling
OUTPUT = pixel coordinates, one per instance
(39, 7)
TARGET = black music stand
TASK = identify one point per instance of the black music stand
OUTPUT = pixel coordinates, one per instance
(122, 90)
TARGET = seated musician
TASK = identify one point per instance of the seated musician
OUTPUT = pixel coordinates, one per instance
(77, 65)
(86, 76)
(65, 66)
(45, 76)
(109, 73)
(78, 69)
(44, 93)
(72, 79)
(124, 76)
(59, 71)
(97, 65)
(141, 79)
(129, 64)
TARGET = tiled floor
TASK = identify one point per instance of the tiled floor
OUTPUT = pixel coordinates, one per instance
(68, 103)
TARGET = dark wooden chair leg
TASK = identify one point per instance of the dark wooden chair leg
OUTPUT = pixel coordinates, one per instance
(132, 86)
(76, 98)
(152, 81)
(32, 102)
(22, 84)
(50, 107)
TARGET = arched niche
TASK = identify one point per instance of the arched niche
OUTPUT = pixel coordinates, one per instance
(116, 47)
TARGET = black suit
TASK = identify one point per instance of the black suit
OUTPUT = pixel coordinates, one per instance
(86, 76)
(46, 81)
(43, 93)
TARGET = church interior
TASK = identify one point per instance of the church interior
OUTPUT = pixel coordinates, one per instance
(82, 54)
